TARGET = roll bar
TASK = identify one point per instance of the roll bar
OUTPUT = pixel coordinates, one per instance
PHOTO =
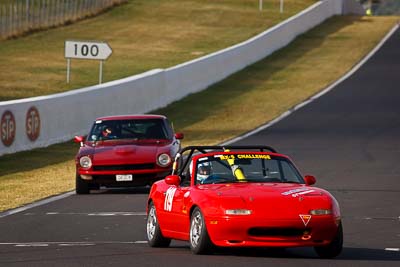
(203, 149)
(207, 149)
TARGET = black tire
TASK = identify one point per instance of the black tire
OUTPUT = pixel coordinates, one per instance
(199, 239)
(94, 186)
(334, 248)
(81, 186)
(154, 235)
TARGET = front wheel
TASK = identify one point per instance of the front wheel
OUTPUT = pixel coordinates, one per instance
(200, 242)
(334, 248)
(81, 186)
(154, 235)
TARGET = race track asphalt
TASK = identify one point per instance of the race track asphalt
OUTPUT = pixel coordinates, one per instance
(348, 138)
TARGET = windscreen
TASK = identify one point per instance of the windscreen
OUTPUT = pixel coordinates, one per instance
(128, 129)
(246, 168)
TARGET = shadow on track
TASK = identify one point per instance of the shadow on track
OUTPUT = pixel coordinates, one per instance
(356, 254)
(369, 254)
(348, 253)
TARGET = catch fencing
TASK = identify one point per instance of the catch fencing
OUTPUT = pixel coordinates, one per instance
(22, 16)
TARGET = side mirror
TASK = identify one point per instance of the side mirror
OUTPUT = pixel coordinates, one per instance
(79, 139)
(179, 135)
(173, 180)
(310, 180)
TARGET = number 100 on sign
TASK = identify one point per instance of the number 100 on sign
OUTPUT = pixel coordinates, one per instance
(87, 50)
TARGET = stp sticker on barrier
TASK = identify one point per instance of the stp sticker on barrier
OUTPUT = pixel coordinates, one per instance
(7, 128)
(32, 124)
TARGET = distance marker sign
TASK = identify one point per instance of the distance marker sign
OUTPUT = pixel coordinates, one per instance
(87, 50)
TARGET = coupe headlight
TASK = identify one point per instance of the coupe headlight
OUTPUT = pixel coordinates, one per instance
(163, 160)
(321, 212)
(238, 212)
(85, 162)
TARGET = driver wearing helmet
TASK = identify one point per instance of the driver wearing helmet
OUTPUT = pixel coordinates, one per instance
(203, 171)
(108, 133)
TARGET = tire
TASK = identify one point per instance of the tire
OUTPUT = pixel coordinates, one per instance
(154, 235)
(199, 239)
(94, 186)
(81, 186)
(334, 248)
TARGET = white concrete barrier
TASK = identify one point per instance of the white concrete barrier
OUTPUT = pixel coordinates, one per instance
(59, 117)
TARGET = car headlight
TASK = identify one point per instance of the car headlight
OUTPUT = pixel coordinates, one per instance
(163, 160)
(238, 212)
(321, 212)
(85, 162)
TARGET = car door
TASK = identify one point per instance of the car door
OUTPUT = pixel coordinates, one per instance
(175, 212)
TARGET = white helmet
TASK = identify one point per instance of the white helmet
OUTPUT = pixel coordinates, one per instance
(203, 171)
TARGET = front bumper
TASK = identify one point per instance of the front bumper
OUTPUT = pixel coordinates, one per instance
(244, 231)
(108, 178)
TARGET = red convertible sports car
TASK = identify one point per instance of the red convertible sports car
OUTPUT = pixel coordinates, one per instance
(241, 197)
(125, 151)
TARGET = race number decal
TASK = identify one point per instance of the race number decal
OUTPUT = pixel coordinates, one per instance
(169, 198)
(7, 128)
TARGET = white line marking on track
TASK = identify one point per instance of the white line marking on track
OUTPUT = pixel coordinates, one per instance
(32, 245)
(117, 214)
(380, 218)
(392, 249)
(36, 204)
(69, 244)
(108, 213)
(72, 245)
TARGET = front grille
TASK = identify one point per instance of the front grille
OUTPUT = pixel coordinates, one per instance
(262, 231)
(125, 167)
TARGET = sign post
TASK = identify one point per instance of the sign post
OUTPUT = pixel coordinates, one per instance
(86, 50)
(68, 68)
(101, 72)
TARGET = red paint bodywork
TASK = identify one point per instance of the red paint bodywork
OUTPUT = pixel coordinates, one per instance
(122, 156)
(275, 219)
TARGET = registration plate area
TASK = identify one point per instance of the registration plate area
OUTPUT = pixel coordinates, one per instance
(124, 177)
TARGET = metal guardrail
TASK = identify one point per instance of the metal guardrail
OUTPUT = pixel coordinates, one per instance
(21, 16)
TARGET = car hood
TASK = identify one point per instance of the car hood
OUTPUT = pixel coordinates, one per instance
(269, 200)
(127, 153)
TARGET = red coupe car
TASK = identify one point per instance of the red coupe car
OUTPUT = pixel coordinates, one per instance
(127, 150)
(241, 197)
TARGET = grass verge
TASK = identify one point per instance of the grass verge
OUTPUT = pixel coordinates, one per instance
(241, 102)
(144, 34)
